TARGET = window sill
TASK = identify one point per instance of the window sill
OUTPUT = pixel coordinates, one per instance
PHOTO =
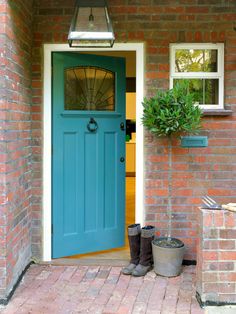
(217, 112)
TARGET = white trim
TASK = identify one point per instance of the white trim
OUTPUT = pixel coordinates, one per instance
(47, 126)
(217, 75)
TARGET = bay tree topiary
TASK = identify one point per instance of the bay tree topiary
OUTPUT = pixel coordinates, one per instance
(171, 113)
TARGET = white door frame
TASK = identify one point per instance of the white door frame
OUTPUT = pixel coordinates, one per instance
(47, 132)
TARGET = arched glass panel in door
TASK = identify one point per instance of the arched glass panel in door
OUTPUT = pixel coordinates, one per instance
(89, 88)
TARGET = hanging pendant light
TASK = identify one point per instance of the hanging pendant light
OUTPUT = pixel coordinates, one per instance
(91, 25)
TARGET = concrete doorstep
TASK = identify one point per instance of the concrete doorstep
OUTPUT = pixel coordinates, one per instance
(230, 309)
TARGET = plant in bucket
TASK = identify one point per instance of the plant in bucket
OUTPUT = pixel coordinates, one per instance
(170, 114)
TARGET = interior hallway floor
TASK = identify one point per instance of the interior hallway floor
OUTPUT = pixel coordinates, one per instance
(118, 256)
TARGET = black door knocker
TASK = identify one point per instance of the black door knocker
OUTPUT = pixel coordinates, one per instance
(92, 126)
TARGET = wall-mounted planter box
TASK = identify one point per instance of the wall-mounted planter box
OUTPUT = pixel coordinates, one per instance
(194, 141)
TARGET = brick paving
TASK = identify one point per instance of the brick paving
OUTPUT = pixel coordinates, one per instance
(102, 289)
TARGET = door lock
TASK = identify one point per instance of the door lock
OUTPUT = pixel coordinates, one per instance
(122, 159)
(122, 126)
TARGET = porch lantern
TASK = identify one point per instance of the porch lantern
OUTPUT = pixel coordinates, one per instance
(91, 25)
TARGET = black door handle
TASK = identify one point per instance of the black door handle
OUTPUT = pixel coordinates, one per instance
(92, 126)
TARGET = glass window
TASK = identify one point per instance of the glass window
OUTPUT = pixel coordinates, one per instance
(203, 66)
(205, 91)
(89, 88)
(195, 60)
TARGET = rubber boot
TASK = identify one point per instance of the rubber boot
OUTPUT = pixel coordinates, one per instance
(134, 232)
(146, 258)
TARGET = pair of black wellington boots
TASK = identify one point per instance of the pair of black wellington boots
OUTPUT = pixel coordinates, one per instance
(140, 243)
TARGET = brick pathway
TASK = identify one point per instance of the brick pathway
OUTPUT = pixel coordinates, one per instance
(102, 289)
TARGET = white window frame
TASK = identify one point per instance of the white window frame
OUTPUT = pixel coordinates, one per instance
(206, 75)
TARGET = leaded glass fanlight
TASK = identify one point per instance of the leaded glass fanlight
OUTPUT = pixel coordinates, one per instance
(89, 88)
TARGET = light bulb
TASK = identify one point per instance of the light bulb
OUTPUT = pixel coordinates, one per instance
(91, 20)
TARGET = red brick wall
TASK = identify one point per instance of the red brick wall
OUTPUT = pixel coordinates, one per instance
(197, 171)
(15, 140)
(51, 24)
(216, 273)
(3, 210)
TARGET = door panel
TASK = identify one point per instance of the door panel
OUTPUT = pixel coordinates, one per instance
(110, 162)
(69, 184)
(88, 176)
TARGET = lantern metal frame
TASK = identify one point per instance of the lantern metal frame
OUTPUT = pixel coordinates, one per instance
(88, 37)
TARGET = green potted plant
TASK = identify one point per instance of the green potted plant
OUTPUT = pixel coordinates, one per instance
(169, 114)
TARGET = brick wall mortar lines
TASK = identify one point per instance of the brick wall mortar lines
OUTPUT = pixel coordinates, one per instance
(15, 154)
(216, 270)
(3, 190)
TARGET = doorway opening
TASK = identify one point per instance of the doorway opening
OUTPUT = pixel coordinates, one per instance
(138, 50)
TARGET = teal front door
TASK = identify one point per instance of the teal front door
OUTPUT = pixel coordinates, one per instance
(88, 153)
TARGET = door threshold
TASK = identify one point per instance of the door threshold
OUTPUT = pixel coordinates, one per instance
(87, 262)
(113, 257)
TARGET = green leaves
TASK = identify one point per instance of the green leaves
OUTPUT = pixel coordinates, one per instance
(172, 111)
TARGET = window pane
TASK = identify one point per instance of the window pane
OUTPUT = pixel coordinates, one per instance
(196, 60)
(89, 88)
(205, 91)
